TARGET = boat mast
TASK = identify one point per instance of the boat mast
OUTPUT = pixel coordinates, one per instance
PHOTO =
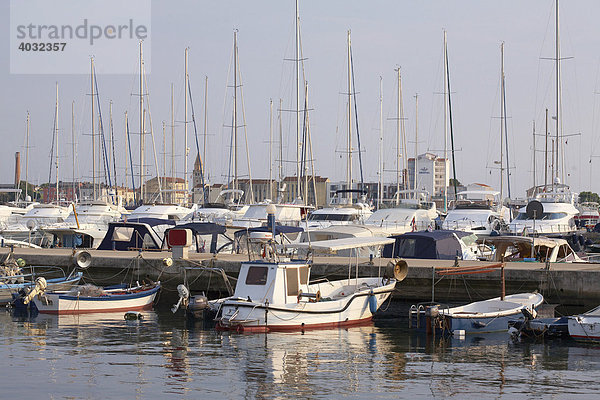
(72, 144)
(416, 174)
(185, 140)
(271, 148)
(349, 139)
(546, 155)
(141, 199)
(305, 139)
(56, 138)
(235, 133)
(297, 99)
(397, 194)
(94, 194)
(502, 116)
(380, 164)
(533, 135)
(557, 95)
(280, 167)
(112, 141)
(27, 157)
(204, 165)
(164, 151)
(172, 197)
(445, 126)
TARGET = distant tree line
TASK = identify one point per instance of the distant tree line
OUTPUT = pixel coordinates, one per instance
(589, 196)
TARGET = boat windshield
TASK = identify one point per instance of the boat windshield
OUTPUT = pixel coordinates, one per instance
(332, 217)
(545, 216)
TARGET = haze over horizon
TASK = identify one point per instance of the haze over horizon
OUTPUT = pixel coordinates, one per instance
(385, 35)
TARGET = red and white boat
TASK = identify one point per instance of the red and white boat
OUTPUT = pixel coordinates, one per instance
(585, 327)
(588, 215)
(92, 299)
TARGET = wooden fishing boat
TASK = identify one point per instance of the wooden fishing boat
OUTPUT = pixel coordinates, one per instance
(92, 299)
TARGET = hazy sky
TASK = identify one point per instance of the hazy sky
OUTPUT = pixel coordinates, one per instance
(385, 35)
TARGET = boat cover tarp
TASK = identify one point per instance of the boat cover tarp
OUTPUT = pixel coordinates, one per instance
(279, 230)
(129, 235)
(435, 245)
(201, 228)
(152, 221)
(344, 243)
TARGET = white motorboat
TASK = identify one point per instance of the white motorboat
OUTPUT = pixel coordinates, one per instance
(551, 212)
(409, 215)
(275, 293)
(227, 206)
(256, 215)
(342, 212)
(484, 316)
(478, 211)
(27, 229)
(86, 226)
(586, 326)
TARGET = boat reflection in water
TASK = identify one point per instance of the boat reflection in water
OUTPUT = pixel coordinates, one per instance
(161, 356)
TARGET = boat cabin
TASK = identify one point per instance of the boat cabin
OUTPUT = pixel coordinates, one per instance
(277, 283)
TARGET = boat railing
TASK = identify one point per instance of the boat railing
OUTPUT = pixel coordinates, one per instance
(47, 270)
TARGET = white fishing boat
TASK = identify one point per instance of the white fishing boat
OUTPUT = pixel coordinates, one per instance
(92, 299)
(275, 293)
(586, 326)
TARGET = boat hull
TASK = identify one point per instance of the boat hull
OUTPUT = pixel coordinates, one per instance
(354, 309)
(585, 328)
(63, 303)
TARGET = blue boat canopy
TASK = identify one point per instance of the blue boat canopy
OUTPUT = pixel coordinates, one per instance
(435, 245)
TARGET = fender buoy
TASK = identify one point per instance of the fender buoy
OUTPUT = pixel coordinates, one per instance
(372, 303)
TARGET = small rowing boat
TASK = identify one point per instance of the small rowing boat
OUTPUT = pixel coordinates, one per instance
(91, 299)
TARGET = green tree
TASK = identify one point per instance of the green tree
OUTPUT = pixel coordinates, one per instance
(589, 196)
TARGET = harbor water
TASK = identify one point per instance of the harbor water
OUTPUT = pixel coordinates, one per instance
(98, 356)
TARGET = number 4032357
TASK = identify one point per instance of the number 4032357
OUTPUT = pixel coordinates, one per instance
(26, 46)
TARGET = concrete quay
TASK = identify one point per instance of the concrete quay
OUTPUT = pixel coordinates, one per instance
(568, 284)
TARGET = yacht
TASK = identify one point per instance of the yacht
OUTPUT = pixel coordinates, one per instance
(228, 205)
(478, 211)
(345, 212)
(409, 214)
(554, 214)
(28, 226)
(86, 226)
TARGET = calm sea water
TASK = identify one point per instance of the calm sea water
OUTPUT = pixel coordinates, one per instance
(101, 356)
